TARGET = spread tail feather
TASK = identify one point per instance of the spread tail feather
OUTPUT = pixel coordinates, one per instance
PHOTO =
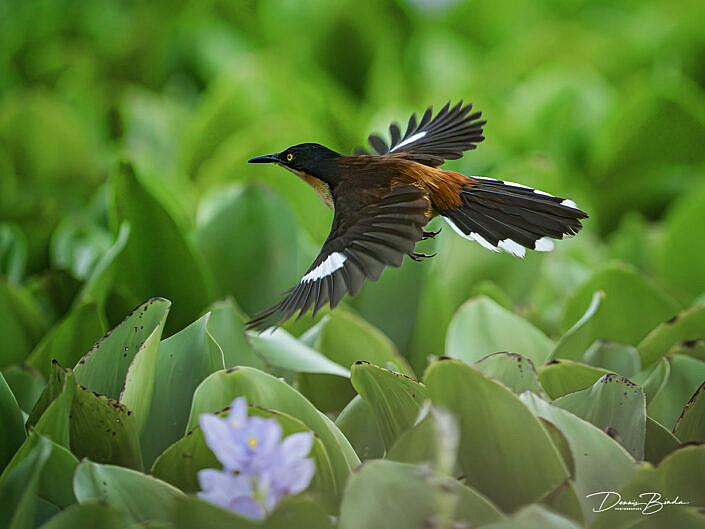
(511, 217)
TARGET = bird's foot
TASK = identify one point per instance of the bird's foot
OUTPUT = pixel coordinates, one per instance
(418, 257)
(430, 234)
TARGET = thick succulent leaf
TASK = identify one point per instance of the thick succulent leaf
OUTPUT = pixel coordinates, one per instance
(89, 514)
(576, 340)
(614, 356)
(691, 423)
(142, 498)
(416, 497)
(179, 464)
(513, 370)
(263, 390)
(227, 327)
(358, 424)
(653, 378)
(684, 328)
(185, 360)
(600, 462)
(395, 399)
(499, 436)
(11, 423)
(625, 292)
(616, 406)
(659, 441)
(686, 375)
(560, 377)
(534, 517)
(26, 384)
(104, 367)
(482, 327)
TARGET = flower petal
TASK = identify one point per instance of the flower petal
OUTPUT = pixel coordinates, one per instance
(297, 446)
(219, 439)
(247, 506)
(237, 418)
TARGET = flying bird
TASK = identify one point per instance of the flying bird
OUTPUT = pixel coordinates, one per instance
(383, 201)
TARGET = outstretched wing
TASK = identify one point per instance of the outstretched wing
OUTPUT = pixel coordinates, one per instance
(361, 243)
(431, 141)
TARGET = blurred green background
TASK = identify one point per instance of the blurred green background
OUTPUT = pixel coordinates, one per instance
(125, 128)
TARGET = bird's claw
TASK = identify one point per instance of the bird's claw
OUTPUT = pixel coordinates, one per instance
(430, 234)
(418, 257)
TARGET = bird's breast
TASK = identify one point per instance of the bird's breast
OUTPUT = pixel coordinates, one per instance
(319, 186)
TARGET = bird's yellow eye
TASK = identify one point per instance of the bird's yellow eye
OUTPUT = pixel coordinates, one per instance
(289, 157)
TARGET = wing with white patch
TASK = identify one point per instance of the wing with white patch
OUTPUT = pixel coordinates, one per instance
(361, 244)
(431, 141)
(508, 216)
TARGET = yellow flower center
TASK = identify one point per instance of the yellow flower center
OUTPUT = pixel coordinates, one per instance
(252, 443)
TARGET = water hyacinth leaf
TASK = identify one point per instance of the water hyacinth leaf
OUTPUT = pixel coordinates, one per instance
(678, 475)
(142, 498)
(600, 462)
(498, 436)
(55, 481)
(185, 360)
(625, 292)
(685, 327)
(265, 260)
(691, 423)
(19, 488)
(26, 383)
(279, 349)
(50, 415)
(534, 517)
(659, 442)
(89, 514)
(22, 324)
(149, 266)
(358, 424)
(654, 378)
(616, 406)
(511, 369)
(481, 327)
(227, 327)
(686, 375)
(68, 340)
(179, 464)
(263, 390)
(613, 356)
(13, 253)
(417, 495)
(578, 338)
(190, 512)
(560, 377)
(11, 423)
(395, 399)
(104, 367)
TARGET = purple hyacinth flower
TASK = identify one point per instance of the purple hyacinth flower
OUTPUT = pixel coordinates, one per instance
(258, 466)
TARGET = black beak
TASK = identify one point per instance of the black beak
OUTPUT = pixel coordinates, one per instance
(267, 158)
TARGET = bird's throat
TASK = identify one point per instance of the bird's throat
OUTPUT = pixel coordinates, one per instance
(319, 186)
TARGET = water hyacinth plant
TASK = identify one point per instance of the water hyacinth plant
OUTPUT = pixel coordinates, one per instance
(259, 467)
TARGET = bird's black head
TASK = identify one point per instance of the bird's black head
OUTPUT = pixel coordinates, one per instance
(310, 158)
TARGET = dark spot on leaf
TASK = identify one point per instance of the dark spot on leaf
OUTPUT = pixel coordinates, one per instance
(232, 369)
(673, 320)
(553, 362)
(360, 363)
(689, 344)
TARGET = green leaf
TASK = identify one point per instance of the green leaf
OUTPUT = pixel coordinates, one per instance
(616, 406)
(26, 384)
(654, 378)
(248, 237)
(89, 514)
(613, 356)
(280, 349)
(104, 367)
(684, 327)
(499, 436)
(69, 339)
(19, 488)
(482, 327)
(227, 327)
(395, 399)
(418, 497)
(560, 377)
(511, 369)
(158, 260)
(578, 338)
(13, 253)
(358, 424)
(22, 324)
(185, 360)
(142, 498)
(179, 464)
(265, 391)
(659, 441)
(600, 462)
(11, 423)
(534, 517)
(625, 293)
(686, 376)
(691, 424)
